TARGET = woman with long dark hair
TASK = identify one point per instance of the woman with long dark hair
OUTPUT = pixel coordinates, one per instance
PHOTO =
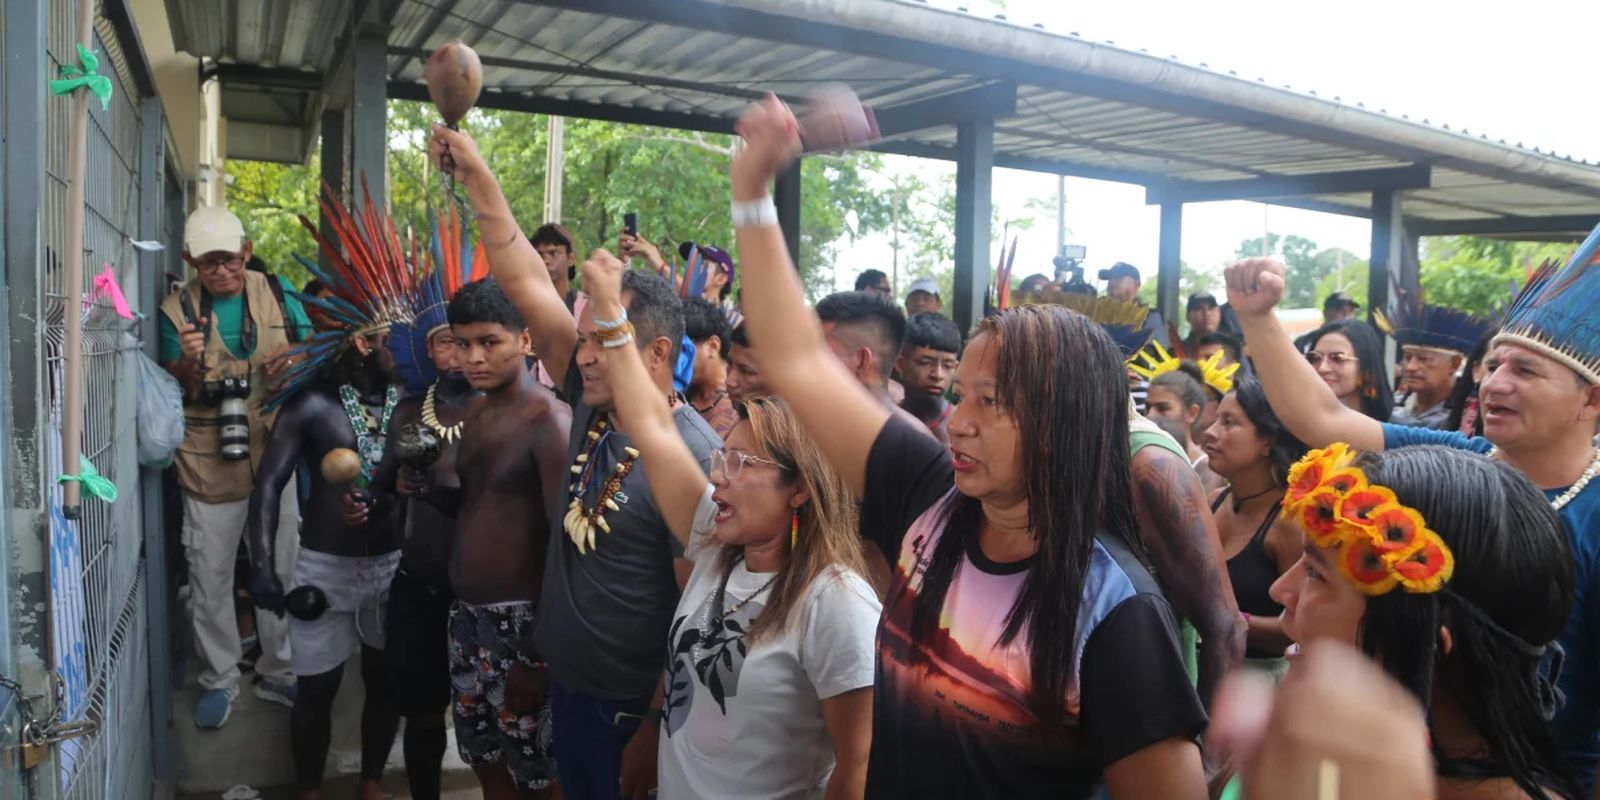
(1348, 356)
(768, 688)
(1025, 650)
(1250, 448)
(1452, 571)
(1464, 414)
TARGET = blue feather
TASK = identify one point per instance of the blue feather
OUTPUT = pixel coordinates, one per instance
(1556, 310)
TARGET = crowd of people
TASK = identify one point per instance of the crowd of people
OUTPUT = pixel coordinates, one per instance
(634, 533)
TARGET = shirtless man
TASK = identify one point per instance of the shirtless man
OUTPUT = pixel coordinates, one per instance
(510, 467)
(609, 589)
(351, 564)
(416, 652)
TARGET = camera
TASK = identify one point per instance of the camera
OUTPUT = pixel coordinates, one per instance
(233, 417)
(1069, 270)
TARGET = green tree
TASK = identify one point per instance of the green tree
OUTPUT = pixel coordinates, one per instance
(1351, 279)
(1190, 281)
(269, 199)
(1480, 275)
(1299, 259)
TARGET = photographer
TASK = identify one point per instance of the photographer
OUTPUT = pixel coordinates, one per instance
(224, 337)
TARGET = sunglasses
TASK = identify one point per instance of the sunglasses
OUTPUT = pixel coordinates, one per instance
(214, 264)
(1337, 359)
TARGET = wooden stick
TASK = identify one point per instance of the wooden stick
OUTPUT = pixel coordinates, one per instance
(72, 279)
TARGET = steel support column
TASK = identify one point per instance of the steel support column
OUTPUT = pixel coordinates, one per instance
(974, 165)
(152, 171)
(367, 119)
(332, 160)
(1388, 247)
(786, 196)
(1169, 261)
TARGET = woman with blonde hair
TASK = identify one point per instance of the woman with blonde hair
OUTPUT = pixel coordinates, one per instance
(768, 687)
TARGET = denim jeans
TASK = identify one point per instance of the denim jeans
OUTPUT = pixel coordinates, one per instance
(588, 735)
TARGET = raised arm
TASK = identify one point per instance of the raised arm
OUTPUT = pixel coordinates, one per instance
(512, 260)
(838, 413)
(1306, 405)
(676, 482)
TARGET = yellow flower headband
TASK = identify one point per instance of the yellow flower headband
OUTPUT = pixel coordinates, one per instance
(1382, 543)
(1155, 360)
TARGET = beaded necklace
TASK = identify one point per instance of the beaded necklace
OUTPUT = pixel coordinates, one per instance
(430, 417)
(1577, 487)
(580, 522)
(368, 446)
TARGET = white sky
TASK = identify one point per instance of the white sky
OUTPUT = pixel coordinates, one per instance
(1522, 71)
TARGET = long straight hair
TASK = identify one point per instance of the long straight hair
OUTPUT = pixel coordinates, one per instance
(1063, 381)
(828, 537)
(1508, 599)
(1377, 391)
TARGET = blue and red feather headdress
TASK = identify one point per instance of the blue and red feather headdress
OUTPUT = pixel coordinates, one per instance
(1555, 314)
(453, 262)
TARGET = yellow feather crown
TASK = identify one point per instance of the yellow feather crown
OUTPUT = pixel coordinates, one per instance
(1154, 361)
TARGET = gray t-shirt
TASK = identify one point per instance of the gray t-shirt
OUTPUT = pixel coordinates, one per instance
(603, 616)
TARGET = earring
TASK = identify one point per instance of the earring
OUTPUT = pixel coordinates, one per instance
(794, 529)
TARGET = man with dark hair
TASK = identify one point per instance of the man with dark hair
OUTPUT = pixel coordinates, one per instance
(1122, 283)
(555, 246)
(1205, 317)
(1207, 345)
(873, 280)
(928, 361)
(609, 585)
(744, 371)
(1336, 306)
(865, 332)
(706, 326)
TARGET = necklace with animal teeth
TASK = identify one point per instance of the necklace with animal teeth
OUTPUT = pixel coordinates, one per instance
(430, 417)
(581, 522)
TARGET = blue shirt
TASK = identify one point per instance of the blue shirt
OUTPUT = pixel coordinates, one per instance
(1577, 723)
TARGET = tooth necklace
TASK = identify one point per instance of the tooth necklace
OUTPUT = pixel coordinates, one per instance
(1577, 487)
(430, 418)
(580, 522)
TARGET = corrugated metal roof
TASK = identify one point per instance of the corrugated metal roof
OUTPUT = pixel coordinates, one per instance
(1082, 107)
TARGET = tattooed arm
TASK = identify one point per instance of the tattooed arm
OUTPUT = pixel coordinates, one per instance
(1178, 531)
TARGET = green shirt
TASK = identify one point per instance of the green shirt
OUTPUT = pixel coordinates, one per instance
(226, 312)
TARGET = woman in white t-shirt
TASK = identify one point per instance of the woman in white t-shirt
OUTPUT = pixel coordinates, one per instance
(769, 668)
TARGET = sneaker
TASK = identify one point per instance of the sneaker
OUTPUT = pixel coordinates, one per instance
(284, 694)
(213, 708)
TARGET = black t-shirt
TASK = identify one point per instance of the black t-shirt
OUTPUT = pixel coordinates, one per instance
(951, 715)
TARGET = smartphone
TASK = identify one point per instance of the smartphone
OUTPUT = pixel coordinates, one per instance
(835, 118)
(630, 222)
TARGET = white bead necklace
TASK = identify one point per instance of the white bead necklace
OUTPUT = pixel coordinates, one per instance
(1577, 487)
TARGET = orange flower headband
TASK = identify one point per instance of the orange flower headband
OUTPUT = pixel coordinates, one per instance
(1382, 543)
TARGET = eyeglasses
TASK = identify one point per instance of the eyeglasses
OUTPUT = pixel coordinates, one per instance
(214, 264)
(732, 465)
(1337, 359)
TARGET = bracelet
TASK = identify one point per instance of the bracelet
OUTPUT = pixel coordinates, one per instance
(623, 331)
(612, 344)
(755, 213)
(525, 661)
(612, 324)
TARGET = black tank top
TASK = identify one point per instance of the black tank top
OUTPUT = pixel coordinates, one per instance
(1252, 572)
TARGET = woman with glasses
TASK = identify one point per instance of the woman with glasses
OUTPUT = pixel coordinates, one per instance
(768, 687)
(1348, 355)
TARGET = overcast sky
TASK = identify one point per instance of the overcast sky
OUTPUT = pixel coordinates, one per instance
(1521, 71)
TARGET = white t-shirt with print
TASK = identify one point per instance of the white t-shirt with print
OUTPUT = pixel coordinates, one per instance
(746, 722)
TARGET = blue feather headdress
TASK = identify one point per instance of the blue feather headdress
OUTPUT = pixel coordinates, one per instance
(371, 279)
(1555, 314)
(453, 262)
(1121, 320)
(1419, 324)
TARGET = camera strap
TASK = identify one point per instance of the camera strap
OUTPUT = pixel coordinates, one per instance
(247, 323)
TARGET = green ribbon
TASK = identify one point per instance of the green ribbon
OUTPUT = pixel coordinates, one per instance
(93, 483)
(73, 77)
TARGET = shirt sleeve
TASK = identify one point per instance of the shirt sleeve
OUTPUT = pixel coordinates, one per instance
(295, 309)
(907, 472)
(838, 648)
(1404, 436)
(1135, 689)
(171, 348)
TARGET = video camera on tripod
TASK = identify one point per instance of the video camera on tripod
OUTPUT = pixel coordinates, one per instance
(1069, 269)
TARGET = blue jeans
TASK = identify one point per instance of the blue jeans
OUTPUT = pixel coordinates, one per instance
(588, 735)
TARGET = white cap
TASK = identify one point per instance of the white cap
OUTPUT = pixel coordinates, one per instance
(210, 229)
(928, 285)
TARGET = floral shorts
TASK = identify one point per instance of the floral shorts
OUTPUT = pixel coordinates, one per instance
(483, 648)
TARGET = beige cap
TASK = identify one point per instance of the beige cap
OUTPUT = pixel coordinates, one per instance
(210, 229)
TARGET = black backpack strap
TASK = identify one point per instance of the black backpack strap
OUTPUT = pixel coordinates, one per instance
(290, 329)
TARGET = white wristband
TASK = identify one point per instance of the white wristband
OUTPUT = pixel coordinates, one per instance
(755, 213)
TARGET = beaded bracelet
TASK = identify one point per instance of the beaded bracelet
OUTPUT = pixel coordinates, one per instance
(610, 344)
(612, 324)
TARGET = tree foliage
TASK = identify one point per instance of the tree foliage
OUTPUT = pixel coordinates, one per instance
(1299, 256)
(1480, 275)
(1190, 281)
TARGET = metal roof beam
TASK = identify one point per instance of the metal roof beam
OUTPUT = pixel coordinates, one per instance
(1416, 176)
(1575, 226)
(988, 102)
(530, 104)
(271, 77)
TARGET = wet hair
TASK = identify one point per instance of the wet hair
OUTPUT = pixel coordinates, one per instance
(868, 279)
(1230, 344)
(1283, 449)
(484, 301)
(653, 309)
(1377, 394)
(739, 336)
(1190, 391)
(703, 319)
(1063, 381)
(934, 331)
(881, 320)
(1508, 599)
(555, 233)
(829, 535)
(313, 287)
(1467, 386)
